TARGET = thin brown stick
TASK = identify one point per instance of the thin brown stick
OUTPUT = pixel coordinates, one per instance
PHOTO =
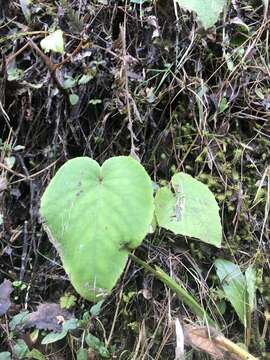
(24, 177)
(69, 57)
(13, 56)
(51, 66)
(5, 167)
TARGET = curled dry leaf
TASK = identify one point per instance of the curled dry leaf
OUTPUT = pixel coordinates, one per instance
(202, 338)
(48, 316)
(5, 291)
(212, 342)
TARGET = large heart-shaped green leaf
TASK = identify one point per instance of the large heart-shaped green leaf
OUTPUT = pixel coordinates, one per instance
(191, 210)
(94, 215)
(208, 11)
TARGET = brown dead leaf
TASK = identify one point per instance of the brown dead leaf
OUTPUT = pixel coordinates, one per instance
(49, 316)
(5, 291)
(199, 337)
(209, 340)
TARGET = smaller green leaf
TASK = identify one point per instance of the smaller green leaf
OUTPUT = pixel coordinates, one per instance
(73, 99)
(98, 346)
(69, 82)
(234, 286)
(10, 161)
(18, 320)
(20, 349)
(84, 322)
(70, 324)
(224, 104)
(67, 301)
(82, 354)
(95, 309)
(36, 355)
(190, 211)
(93, 342)
(5, 355)
(15, 74)
(85, 79)
(53, 42)
(251, 278)
(208, 11)
(19, 284)
(53, 337)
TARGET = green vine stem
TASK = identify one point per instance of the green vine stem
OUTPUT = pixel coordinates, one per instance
(178, 289)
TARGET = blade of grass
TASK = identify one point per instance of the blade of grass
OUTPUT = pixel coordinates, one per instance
(177, 288)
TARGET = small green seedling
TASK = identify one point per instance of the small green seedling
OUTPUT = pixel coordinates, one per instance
(239, 288)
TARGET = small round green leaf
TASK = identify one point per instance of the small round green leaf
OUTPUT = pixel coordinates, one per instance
(94, 215)
(191, 210)
(208, 11)
(73, 99)
(53, 42)
(67, 301)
